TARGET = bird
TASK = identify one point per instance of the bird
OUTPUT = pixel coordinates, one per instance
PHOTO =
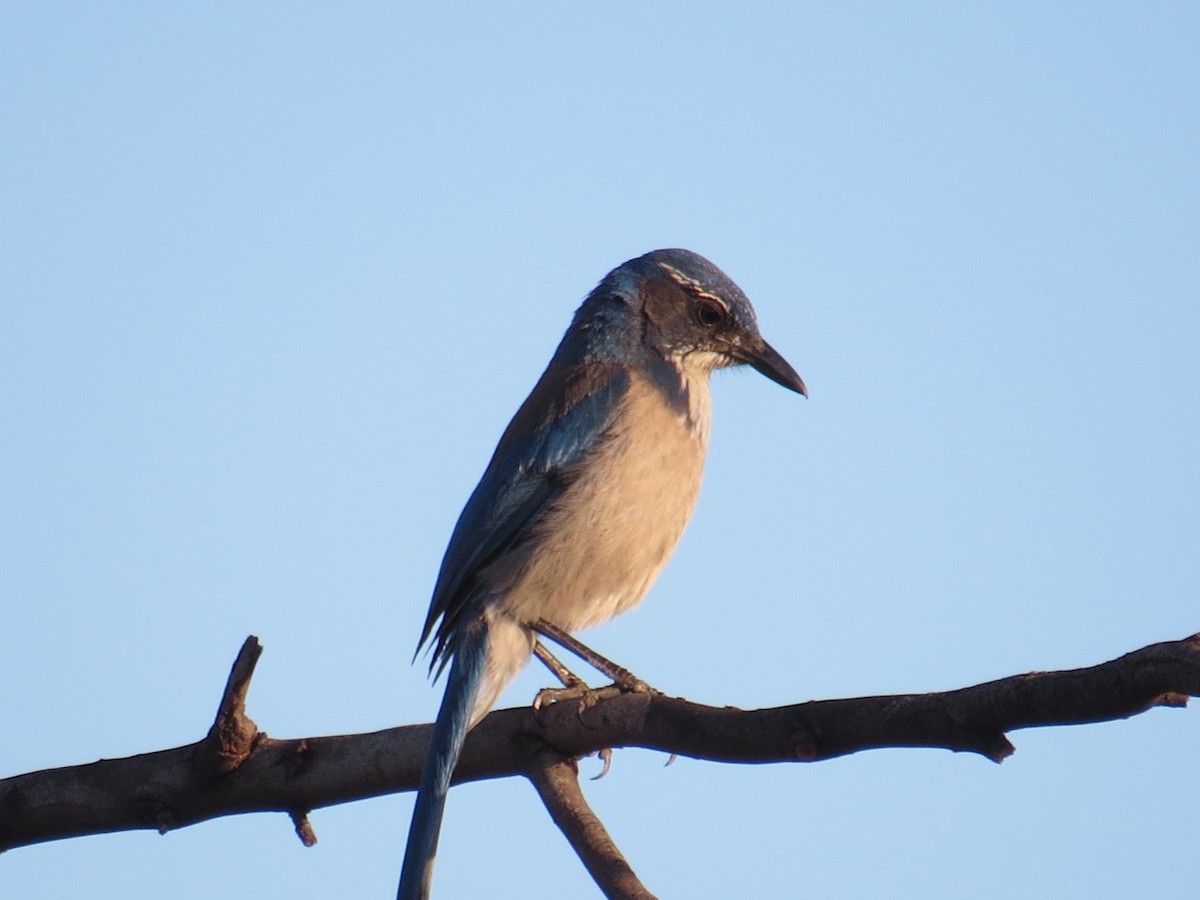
(586, 495)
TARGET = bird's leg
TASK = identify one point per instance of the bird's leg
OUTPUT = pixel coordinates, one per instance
(573, 686)
(568, 678)
(622, 677)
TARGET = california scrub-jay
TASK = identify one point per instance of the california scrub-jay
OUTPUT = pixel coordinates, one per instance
(586, 495)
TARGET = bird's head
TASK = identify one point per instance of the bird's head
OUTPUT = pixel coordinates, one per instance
(695, 316)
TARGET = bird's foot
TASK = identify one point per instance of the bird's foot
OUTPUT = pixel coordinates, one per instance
(577, 690)
(627, 683)
(588, 697)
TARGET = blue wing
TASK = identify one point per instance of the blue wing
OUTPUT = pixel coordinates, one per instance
(567, 412)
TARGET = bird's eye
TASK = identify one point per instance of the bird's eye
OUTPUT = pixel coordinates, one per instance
(708, 313)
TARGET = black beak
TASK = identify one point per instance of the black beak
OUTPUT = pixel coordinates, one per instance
(766, 359)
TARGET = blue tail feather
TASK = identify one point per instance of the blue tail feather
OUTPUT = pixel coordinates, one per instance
(449, 731)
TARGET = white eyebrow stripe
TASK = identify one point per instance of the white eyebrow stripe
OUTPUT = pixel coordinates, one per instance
(693, 285)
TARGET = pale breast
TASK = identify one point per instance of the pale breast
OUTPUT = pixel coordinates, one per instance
(598, 549)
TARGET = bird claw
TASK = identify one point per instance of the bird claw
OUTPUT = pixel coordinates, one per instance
(549, 696)
(589, 697)
(605, 756)
(629, 683)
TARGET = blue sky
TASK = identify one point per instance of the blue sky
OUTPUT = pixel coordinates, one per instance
(275, 276)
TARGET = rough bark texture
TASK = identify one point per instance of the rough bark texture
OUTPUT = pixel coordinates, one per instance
(237, 769)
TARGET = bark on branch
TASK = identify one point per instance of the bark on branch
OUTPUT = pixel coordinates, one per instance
(556, 778)
(237, 769)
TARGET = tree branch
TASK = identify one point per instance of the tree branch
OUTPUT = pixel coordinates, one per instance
(231, 738)
(556, 778)
(237, 769)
